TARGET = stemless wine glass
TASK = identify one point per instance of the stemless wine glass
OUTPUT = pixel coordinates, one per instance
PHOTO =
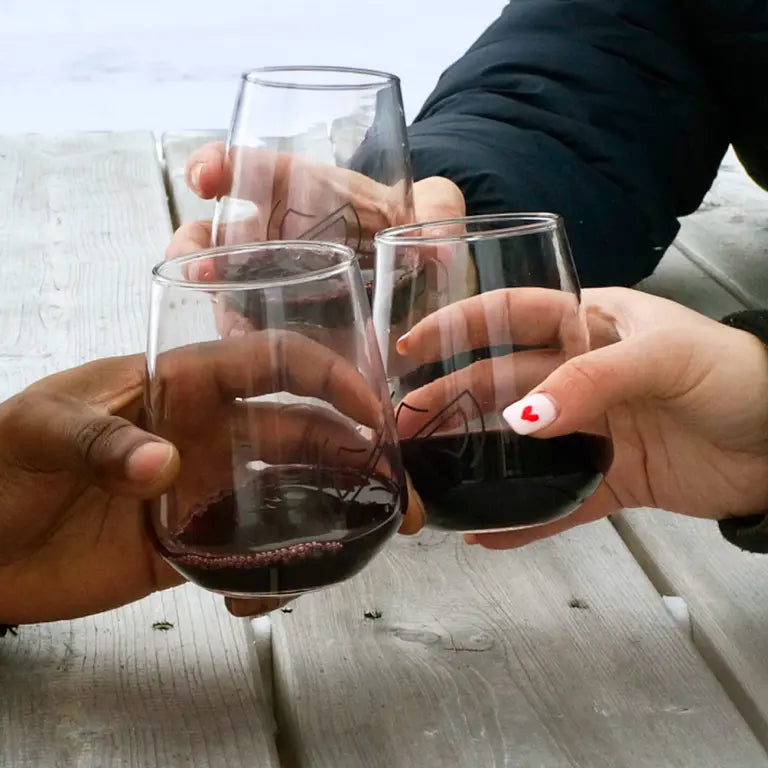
(291, 477)
(491, 306)
(316, 153)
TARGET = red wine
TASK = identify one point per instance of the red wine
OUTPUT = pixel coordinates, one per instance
(288, 530)
(484, 481)
(300, 302)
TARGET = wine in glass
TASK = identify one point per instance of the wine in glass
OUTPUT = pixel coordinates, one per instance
(494, 307)
(291, 477)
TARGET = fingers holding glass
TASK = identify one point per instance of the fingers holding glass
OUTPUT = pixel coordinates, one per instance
(315, 153)
(471, 348)
(290, 475)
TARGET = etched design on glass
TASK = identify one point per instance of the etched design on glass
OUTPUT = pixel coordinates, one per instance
(345, 214)
(460, 410)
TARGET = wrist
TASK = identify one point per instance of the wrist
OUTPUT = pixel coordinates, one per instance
(750, 532)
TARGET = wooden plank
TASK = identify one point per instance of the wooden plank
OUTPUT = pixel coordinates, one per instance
(679, 279)
(728, 235)
(561, 654)
(82, 219)
(724, 589)
(114, 690)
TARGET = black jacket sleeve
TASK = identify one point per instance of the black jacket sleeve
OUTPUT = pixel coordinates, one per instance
(730, 39)
(613, 113)
(749, 533)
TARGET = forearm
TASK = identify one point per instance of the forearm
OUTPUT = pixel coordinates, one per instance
(502, 168)
(601, 116)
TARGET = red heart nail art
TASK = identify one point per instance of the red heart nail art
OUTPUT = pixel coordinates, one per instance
(528, 414)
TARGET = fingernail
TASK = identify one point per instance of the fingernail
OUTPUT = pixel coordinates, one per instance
(470, 538)
(200, 273)
(530, 414)
(401, 345)
(194, 176)
(147, 461)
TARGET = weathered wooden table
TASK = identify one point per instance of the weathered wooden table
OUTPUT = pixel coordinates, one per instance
(577, 651)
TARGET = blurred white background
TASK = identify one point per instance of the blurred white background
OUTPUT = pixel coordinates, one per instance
(174, 64)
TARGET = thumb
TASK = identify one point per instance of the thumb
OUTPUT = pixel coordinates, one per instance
(51, 432)
(436, 198)
(579, 392)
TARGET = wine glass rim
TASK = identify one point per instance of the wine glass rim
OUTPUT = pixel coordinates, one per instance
(369, 78)
(518, 224)
(349, 259)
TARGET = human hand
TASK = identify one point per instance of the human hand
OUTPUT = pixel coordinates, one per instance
(682, 395)
(75, 470)
(295, 184)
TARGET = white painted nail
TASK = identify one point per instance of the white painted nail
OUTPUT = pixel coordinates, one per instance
(530, 414)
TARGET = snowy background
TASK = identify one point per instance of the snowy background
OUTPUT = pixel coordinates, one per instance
(174, 64)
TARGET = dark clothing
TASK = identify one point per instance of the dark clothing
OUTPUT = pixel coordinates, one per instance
(750, 533)
(614, 113)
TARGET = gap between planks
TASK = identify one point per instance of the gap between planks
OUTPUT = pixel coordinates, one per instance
(184, 206)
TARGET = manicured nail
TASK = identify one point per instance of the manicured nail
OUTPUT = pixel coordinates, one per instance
(401, 345)
(194, 176)
(148, 461)
(530, 414)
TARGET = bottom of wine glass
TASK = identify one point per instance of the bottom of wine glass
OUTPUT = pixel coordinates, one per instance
(266, 595)
(505, 528)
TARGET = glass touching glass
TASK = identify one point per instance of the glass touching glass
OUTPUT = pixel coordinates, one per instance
(291, 477)
(471, 315)
(316, 153)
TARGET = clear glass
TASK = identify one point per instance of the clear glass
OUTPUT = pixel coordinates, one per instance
(491, 305)
(268, 379)
(316, 153)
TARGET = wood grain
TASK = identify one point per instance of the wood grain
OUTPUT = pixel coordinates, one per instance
(561, 654)
(82, 220)
(163, 682)
(724, 589)
(680, 279)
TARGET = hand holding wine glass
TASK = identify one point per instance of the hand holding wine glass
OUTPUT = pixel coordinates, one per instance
(313, 153)
(209, 175)
(290, 476)
(74, 468)
(683, 397)
(470, 352)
